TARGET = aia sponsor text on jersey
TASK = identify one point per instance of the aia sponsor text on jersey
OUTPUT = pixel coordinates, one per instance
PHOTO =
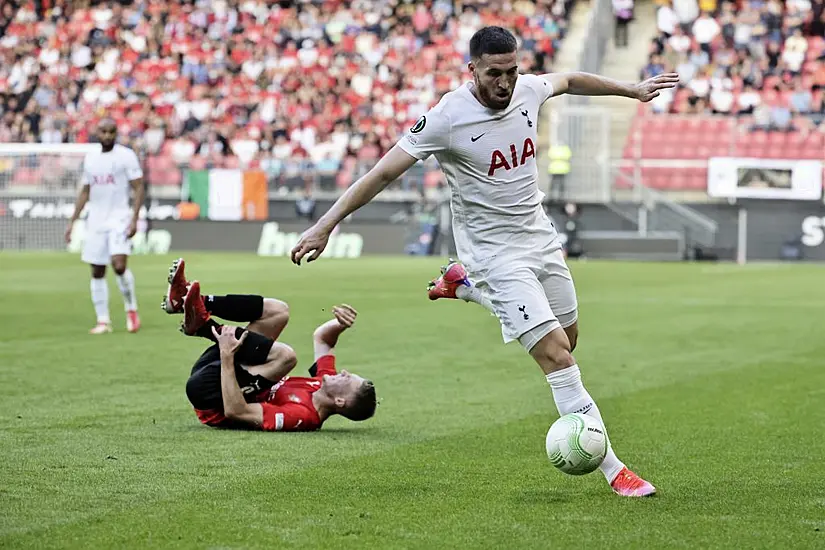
(513, 158)
(102, 179)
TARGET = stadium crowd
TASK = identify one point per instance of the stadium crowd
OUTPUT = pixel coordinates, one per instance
(759, 59)
(203, 83)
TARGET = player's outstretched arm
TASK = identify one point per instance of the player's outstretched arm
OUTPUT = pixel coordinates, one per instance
(82, 199)
(235, 406)
(389, 168)
(595, 85)
(325, 337)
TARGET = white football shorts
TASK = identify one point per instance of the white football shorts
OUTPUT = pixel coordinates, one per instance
(101, 243)
(528, 292)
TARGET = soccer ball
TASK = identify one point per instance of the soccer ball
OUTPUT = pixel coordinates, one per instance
(576, 444)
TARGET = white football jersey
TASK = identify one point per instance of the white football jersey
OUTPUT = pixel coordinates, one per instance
(489, 159)
(108, 176)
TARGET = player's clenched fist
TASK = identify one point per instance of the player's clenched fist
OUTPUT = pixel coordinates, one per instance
(345, 315)
(312, 240)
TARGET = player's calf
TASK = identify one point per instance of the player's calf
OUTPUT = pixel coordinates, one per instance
(549, 345)
(100, 299)
(126, 283)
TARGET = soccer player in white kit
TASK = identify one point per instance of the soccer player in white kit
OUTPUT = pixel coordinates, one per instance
(484, 135)
(111, 223)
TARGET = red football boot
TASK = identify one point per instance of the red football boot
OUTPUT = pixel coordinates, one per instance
(453, 275)
(628, 484)
(194, 310)
(173, 301)
(132, 321)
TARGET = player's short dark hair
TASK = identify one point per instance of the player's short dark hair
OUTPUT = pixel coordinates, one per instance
(363, 404)
(492, 40)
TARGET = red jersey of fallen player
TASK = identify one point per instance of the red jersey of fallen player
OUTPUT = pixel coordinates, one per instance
(287, 406)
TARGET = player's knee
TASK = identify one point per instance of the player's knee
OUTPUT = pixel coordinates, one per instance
(276, 311)
(283, 355)
(119, 266)
(98, 271)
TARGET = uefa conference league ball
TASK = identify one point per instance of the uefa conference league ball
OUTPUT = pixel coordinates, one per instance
(576, 444)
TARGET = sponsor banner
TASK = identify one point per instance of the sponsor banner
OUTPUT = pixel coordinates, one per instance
(351, 240)
(773, 227)
(41, 208)
(277, 239)
(44, 207)
(746, 178)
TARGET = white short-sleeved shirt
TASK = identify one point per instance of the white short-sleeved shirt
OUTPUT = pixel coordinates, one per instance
(108, 176)
(489, 159)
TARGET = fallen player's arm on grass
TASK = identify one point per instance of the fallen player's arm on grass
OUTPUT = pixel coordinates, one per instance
(389, 168)
(235, 406)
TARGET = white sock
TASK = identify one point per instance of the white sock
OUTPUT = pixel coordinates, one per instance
(473, 294)
(126, 283)
(571, 397)
(100, 298)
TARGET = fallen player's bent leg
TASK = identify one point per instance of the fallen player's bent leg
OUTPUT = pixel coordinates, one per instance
(203, 388)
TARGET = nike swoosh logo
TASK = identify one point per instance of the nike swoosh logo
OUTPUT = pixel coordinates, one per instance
(476, 138)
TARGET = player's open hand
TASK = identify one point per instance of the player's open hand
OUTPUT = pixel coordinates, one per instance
(345, 315)
(648, 89)
(132, 229)
(68, 235)
(313, 240)
(227, 341)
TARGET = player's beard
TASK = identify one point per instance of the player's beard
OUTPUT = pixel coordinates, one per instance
(493, 101)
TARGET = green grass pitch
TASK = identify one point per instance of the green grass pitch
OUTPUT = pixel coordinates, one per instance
(710, 378)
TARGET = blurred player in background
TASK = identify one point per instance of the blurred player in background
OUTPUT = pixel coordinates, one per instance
(111, 223)
(484, 135)
(242, 380)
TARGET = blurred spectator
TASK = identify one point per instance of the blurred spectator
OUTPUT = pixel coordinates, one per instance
(751, 58)
(305, 206)
(705, 30)
(687, 11)
(623, 12)
(666, 20)
(801, 101)
(781, 118)
(749, 99)
(286, 85)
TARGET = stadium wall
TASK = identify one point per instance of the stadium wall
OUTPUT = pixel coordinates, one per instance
(38, 223)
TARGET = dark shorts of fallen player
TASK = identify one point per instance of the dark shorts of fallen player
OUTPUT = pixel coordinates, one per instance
(203, 388)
